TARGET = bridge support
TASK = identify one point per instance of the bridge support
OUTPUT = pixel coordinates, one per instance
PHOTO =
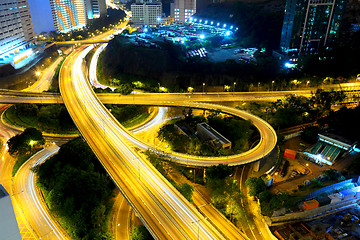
(256, 166)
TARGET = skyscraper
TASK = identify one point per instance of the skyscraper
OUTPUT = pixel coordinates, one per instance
(146, 13)
(96, 8)
(310, 25)
(184, 9)
(68, 15)
(16, 29)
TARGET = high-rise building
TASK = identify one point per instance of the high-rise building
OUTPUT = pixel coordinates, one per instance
(146, 13)
(68, 15)
(184, 9)
(16, 29)
(8, 225)
(96, 8)
(310, 25)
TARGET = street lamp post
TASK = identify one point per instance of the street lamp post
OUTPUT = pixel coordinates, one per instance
(194, 174)
(203, 87)
(272, 85)
(258, 86)
(234, 86)
(198, 223)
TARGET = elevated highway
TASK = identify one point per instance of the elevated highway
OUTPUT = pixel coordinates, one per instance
(263, 148)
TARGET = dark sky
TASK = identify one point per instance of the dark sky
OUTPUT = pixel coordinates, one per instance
(41, 15)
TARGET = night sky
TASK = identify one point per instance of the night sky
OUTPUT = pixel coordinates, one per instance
(41, 15)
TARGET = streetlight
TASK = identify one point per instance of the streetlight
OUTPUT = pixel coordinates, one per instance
(203, 87)
(194, 174)
(38, 73)
(234, 86)
(258, 86)
(272, 85)
(307, 83)
(198, 222)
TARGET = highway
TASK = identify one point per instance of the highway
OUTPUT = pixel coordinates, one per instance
(264, 147)
(165, 212)
(29, 202)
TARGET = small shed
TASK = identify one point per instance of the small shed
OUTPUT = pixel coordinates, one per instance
(324, 201)
(290, 153)
(347, 194)
(311, 204)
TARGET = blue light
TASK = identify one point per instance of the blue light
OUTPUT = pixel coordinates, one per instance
(159, 19)
(195, 20)
(202, 36)
(289, 65)
(231, 27)
(191, 19)
(200, 20)
(206, 22)
(212, 23)
(145, 30)
(227, 33)
(218, 24)
(224, 25)
(182, 41)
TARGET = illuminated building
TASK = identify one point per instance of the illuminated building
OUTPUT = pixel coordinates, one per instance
(8, 224)
(96, 8)
(146, 13)
(309, 26)
(16, 29)
(68, 15)
(184, 9)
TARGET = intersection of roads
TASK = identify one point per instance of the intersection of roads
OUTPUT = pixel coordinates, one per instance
(163, 210)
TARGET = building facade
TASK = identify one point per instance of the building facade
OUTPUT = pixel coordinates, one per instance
(8, 225)
(96, 8)
(16, 29)
(68, 15)
(183, 10)
(146, 13)
(310, 25)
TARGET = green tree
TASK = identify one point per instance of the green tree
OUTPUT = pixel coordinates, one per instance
(255, 185)
(186, 190)
(24, 142)
(140, 233)
(310, 134)
(27, 109)
(220, 171)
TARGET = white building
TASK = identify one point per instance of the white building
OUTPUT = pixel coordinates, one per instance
(96, 8)
(16, 29)
(68, 15)
(184, 9)
(9, 229)
(146, 13)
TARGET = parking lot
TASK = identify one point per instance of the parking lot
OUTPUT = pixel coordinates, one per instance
(198, 40)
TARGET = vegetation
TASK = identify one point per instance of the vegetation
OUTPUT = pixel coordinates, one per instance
(268, 201)
(224, 192)
(55, 118)
(24, 145)
(77, 190)
(238, 131)
(159, 163)
(310, 134)
(335, 120)
(140, 233)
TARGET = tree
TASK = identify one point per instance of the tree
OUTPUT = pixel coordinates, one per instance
(140, 233)
(186, 190)
(24, 142)
(310, 134)
(27, 109)
(255, 185)
(220, 171)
